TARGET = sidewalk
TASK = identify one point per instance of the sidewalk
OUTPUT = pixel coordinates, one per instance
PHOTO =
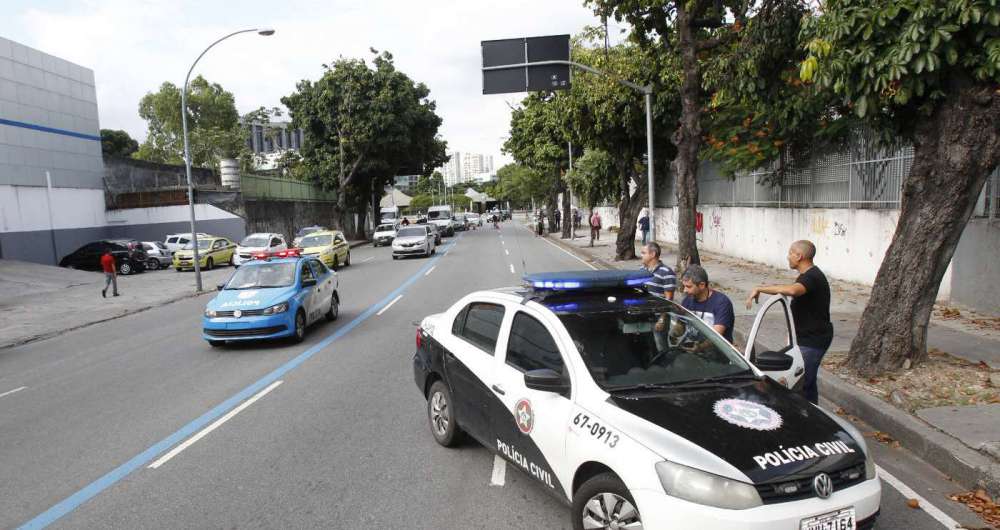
(41, 301)
(947, 409)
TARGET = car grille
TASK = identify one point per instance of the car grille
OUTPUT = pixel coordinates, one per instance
(247, 332)
(798, 489)
(243, 312)
(245, 255)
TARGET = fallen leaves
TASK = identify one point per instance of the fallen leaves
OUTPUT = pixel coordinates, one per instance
(884, 438)
(913, 503)
(980, 502)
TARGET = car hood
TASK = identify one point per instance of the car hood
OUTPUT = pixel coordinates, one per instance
(409, 239)
(252, 250)
(229, 299)
(187, 253)
(759, 428)
(316, 250)
(386, 233)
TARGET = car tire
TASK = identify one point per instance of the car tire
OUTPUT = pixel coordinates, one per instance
(434, 251)
(395, 257)
(178, 269)
(126, 268)
(440, 417)
(299, 333)
(152, 264)
(334, 311)
(347, 262)
(592, 503)
(209, 264)
(336, 263)
(216, 343)
(232, 260)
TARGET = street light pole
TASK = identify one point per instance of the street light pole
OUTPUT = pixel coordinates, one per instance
(187, 149)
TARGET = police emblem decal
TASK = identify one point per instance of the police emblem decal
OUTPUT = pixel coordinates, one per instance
(748, 414)
(524, 416)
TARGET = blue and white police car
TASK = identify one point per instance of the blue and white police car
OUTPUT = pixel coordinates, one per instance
(273, 296)
(637, 414)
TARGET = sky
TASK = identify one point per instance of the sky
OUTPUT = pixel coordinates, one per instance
(135, 45)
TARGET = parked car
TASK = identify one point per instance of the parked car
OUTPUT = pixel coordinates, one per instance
(129, 255)
(212, 251)
(256, 244)
(175, 242)
(417, 240)
(384, 234)
(157, 255)
(328, 246)
(303, 232)
(473, 219)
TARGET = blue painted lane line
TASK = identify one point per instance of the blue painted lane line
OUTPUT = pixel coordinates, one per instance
(91, 490)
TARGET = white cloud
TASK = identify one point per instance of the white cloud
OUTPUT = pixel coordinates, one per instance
(135, 45)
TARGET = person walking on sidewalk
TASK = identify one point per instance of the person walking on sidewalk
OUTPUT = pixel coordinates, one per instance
(644, 227)
(810, 308)
(664, 281)
(110, 273)
(713, 307)
(558, 218)
(595, 226)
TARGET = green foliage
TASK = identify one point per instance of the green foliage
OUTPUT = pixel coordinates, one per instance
(519, 184)
(593, 178)
(117, 143)
(420, 202)
(214, 129)
(894, 61)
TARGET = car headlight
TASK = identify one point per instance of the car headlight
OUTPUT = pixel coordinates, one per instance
(277, 308)
(705, 488)
(210, 313)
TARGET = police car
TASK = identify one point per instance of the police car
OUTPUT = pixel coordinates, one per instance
(635, 413)
(275, 295)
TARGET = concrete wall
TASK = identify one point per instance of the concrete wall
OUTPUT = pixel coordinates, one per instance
(976, 266)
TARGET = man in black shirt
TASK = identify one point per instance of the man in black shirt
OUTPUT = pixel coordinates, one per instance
(810, 308)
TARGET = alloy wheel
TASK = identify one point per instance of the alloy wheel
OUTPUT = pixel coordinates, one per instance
(440, 414)
(609, 511)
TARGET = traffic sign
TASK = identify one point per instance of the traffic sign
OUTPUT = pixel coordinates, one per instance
(526, 64)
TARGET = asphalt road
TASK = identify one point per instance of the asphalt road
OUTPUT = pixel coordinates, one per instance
(339, 439)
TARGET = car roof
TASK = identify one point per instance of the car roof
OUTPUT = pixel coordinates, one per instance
(264, 234)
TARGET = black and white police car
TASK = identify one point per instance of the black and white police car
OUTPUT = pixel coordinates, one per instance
(630, 409)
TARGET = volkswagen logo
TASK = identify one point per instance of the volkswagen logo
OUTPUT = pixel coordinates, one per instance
(237, 313)
(823, 486)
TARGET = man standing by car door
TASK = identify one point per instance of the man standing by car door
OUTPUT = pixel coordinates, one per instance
(110, 273)
(810, 309)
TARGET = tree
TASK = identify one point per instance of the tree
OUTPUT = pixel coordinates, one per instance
(519, 184)
(593, 179)
(365, 124)
(214, 129)
(928, 71)
(117, 143)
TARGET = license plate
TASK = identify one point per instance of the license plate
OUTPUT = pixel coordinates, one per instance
(842, 520)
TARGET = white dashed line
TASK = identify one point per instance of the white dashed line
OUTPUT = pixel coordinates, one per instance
(926, 506)
(507, 252)
(545, 239)
(387, 306)
(187, 443)
(9, 392)
(367, 259)
(430, 270)
(499, 471)
(512, 268)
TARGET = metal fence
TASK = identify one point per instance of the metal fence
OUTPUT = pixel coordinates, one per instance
(258, 187)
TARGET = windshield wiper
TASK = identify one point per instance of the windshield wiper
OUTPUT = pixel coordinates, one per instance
(643, 386)
(718, 380)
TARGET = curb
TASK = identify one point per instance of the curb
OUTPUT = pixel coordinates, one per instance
(944, 452)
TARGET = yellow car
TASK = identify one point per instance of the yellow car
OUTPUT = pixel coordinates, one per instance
(212, 251)
(329, 246)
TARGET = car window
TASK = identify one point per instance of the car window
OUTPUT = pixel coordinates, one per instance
(171, 240)
(531, 346)
(307, 273)
(147, 247)
(183, 241)
(219, 244)
(318, 268)
(321, 240)
(159, 245)
(340, 238)
(117, 247)
(275, 242)
(481, 325)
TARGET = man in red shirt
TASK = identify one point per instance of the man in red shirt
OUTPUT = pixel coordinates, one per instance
(110, 273)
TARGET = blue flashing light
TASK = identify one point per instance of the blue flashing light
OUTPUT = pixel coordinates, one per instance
(636, 281)
(564, 307)
(582, 280)
(633, 301)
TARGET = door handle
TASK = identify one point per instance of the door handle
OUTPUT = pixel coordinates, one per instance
(499, 390)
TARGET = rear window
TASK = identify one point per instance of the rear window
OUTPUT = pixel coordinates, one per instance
(479, 324)
(411, 232)
(385, 228)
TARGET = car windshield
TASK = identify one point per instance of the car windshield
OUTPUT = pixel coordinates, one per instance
(411, 232)
(653, 346)
(202, 244)
(321, 240)
(255, 241)
(442, 214)
(384, 228)
(309, 230)
(263, 276)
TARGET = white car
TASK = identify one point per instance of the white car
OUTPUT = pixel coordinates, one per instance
(415, 240)
(384, 234)
(175, 242)
(157, 255)
(636, 413)
(262, 242)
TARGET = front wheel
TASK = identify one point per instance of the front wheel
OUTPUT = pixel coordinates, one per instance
(152, 264)
(209, 263)
(347, 262)
(300, 327)
(439, 413)
(334, 311)
(125, 268)
(604, 502)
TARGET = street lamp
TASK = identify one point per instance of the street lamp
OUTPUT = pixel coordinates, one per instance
(187, 151)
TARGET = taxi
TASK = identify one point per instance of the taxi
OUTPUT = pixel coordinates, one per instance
(328, 246)
(212, 251)
(636, 414)
(274, 296)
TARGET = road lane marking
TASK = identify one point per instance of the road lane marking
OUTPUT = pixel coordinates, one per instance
(512, 268)
(506, 252)
(926, 506)
(91, 490)
(204, 432)
(499, 471)
(503, 242)
(429, 271)
(387, 306)
(9, 392)
(369, 258)
(578, 258)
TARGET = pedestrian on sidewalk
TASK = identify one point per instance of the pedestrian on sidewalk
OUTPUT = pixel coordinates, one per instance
(713, 307)
(810, 309)
(644, 227)
(595, 226)
(540, 223)
(558, 217)
(110, 273)
(664, 281)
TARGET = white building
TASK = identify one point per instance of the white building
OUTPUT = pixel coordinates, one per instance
(465, 167)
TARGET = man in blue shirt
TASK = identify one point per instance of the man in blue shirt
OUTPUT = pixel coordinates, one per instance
(644, 227)
(664, 281)
(713, 307)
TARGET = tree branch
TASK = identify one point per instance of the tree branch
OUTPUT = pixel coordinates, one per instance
(346, 181)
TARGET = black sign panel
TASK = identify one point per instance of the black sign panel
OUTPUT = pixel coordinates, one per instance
(550, 48)
(548, 77)
(503, 81)
(521, 52)
(503, 52)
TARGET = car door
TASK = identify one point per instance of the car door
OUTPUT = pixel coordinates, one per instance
(324, 290)
(469, 349)
(340, 247)
(307, 291)
(531, 430)
(772, 346)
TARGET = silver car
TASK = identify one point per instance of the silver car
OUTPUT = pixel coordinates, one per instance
(157, 255)
(413, 241)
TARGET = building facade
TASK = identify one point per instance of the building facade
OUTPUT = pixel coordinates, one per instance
(406, 183)
(466, 167)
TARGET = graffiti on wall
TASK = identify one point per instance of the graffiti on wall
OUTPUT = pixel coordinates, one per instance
(818, 225)
(839, 229)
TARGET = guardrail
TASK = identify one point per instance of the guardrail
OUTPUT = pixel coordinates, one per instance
(259, 187)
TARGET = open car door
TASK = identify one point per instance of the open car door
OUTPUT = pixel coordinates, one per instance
(772, 346)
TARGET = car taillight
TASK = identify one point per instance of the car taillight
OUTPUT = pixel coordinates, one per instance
(420, 338)
(290, 253)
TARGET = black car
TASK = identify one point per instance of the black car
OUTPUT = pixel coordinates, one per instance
(128, 253)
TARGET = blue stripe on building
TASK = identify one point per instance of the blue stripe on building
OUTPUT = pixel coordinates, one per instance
(52, 130)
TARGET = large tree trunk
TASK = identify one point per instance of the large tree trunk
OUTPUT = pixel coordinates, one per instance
(955, 150)
(567, 213)
(687, 138)
(551, 206)
(629, 208)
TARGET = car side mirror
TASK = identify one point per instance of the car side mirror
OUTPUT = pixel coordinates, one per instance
(220, 287)
(308, 282)
(773, 361)
(546, 380)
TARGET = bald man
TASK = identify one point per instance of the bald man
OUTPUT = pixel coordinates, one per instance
(810, 308)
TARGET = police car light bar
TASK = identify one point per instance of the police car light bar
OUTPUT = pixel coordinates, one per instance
(579, 280)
